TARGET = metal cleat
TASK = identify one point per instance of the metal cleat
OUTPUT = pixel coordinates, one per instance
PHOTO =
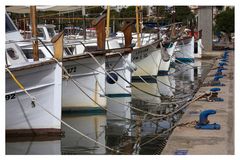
(216, 82)
(222, 64)
(216, 78)
(214, 95)
(203, 122)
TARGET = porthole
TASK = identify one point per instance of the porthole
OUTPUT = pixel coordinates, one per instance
(113, 79)
(12, 53)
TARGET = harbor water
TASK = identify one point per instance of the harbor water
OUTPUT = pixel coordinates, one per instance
(131, 133)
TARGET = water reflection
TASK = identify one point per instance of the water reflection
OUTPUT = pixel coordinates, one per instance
(33, 146)
(166, 85)
(93, 126)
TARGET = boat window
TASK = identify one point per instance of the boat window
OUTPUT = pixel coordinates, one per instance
(41, 33)
(29, 53)
(51, 32)
(9, 26)
(12, 53)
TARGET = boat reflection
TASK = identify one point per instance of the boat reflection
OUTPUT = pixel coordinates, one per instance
(91, 125)
(166, 85)
(33, 146)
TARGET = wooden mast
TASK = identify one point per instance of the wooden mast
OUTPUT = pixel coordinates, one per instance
(57, 41)
(34, 32)
(100, 24)
(127, 31)
(137, 27)
(108, 21)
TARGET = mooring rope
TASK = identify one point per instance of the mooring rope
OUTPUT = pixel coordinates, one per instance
(34, 100)
(76, 84)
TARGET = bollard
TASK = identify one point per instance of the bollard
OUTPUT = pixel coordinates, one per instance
(216, 81)
(216, 78)
(203, 122)
(215, 89)
(214, 95)
(222, 63)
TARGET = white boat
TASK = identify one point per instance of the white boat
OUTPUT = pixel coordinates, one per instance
(41, 79)
(119, 92)
(185, 50)
(147, 59)
(76, 93)
(88, 74)
(167, 58)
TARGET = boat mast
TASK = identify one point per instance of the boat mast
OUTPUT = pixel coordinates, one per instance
(108, 21)
(84, 22)
(100, 24)
(137, 27)
(34, 32)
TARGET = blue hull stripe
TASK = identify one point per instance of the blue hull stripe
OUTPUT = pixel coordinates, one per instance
(149, 79)
(118, 95)
(185, 59)
(84, 111)
(162, 73)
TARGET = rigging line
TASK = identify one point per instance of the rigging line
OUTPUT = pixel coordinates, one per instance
(66, 124)
(110, 77)
(137, 109)
(109, 74)
(159, 135)
(137, 87)
(76, 84)
(152, 75)
(128, 92)
(113, 79)
(121, 57)
(173, 102)
(110, 98)
(116, 62)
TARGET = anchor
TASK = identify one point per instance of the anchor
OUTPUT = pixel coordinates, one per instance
(203, 122)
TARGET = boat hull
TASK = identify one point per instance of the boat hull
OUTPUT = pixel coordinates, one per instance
(89, 77)
(165, 65)
(119, 98)
(147, 60)
(185, 50)
(44, 83)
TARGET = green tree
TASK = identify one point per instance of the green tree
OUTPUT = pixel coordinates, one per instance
(225, 22)
(183, 14)
(128, 12)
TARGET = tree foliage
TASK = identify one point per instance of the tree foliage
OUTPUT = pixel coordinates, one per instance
(183, 14)
(225, 21)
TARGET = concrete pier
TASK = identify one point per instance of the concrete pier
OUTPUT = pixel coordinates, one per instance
(191, 141)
